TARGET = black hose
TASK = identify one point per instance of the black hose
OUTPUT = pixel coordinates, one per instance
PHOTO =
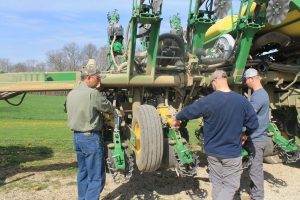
(17, 104)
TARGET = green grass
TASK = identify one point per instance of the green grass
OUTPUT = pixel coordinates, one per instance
(34, 137)
(38, 121)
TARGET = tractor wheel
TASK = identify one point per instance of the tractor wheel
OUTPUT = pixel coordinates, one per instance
(273, 159)
(148, 132)
(169, 158)
(169, 45)
(269, 149)
(269, 156)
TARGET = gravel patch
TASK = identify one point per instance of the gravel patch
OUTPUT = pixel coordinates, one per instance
(281, 182)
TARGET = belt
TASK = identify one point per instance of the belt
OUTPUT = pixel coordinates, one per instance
(87, 133)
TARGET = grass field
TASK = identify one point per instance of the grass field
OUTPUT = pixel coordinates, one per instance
(34, 137)
(37, 130)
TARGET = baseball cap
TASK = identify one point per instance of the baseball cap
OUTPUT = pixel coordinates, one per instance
(217, 74)
(91, 69)
(251, 72)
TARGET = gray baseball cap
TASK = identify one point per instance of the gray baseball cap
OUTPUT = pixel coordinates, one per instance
(91, 69)
(251, 72)
(217, 74)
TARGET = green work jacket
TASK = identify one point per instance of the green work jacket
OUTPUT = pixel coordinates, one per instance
(84, 107)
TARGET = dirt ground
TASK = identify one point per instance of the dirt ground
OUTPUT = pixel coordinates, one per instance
(281, 182)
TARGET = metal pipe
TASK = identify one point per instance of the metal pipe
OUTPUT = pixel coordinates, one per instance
(121, 80)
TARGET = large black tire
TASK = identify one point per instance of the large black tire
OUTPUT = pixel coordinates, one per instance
(280, 39)
(269, 156)
(147, 128)
(273, 159)
(269, 149)
(170, 45)
(169, 159)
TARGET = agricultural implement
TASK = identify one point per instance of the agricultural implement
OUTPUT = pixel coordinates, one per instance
(171, 70)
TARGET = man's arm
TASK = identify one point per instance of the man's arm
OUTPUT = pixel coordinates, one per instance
(256, 103)
(102, 104)
(250, 121)
(193, 111)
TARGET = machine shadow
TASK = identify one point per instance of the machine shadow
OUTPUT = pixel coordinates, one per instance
(151, 185)
(11, 158)
(270, 178)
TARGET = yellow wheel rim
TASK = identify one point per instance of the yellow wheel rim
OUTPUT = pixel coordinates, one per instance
(137, 133)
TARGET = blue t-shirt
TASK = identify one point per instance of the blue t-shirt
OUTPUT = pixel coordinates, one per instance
(225, 114)
(260, 102)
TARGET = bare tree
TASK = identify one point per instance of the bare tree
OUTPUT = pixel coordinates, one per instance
(103, 58)
(41, 67)
(72, 52)
(30, 64)
(56, 60)
(89, 51)
(4, 65)
(20, 67)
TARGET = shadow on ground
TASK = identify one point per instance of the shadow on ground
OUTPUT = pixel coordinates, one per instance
(294, 164)
(11, 158)
(152, 185)
(270, 178)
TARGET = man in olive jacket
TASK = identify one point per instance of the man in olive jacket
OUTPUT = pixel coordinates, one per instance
(84, 106)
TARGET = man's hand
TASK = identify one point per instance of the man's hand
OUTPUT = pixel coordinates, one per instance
(176, 124)
(244, 138)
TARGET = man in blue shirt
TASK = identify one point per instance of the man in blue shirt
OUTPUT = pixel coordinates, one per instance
(225, 113)
(260, 102)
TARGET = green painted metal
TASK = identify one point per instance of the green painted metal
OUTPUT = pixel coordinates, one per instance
(144, 18)
(247, 28)
(199, 26)
(295, 4)
(60, 76)
(183, 152)
(152, 50)
(175, 24)
(38, 76)
(118, 151)
(115, 42)
(279, 140)
(245, 153)
(242, 55)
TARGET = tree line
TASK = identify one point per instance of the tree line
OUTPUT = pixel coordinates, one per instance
(71, 57)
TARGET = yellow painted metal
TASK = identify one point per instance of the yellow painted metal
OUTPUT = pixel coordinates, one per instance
(165, 114)
(253, 6)
(226, 23)
(219, 27)
(137, 133)
(290, 26)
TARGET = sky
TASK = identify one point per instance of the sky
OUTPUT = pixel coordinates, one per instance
(30, 28)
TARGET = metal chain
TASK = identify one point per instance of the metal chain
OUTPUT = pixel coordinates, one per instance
(184, 170)
(121, 176)
(287, 157)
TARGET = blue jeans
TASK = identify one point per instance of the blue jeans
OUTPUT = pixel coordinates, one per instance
(91, 172)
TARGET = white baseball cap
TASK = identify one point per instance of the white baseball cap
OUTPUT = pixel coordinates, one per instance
(251, 72)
